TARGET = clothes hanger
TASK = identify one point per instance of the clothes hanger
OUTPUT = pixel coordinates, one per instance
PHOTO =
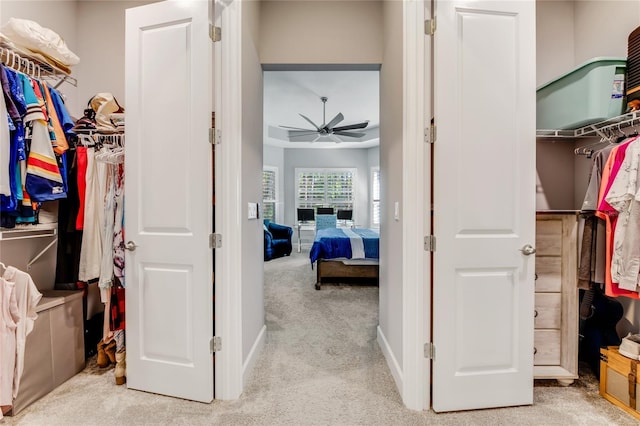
(3, 266)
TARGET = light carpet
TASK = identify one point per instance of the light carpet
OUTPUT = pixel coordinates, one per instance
(321, 365)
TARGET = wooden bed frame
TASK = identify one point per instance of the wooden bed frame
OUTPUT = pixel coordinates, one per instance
(337, 268)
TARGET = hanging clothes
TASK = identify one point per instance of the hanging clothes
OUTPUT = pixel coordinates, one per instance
(9, 318)
(91, 253)
(27, 298)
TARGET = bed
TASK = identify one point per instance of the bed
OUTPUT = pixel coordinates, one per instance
(345, 253)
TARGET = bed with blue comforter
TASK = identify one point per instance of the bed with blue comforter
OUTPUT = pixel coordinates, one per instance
(345, 253)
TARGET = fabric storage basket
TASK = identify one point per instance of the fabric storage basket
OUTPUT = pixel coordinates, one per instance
(619, 380)
(590, 93)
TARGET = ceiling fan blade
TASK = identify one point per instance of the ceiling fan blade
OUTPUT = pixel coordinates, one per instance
(350, 134)
(294, 133)
(352, 126)
(311, 122)
(334, 138)
(338, 118)
(296, 128)
(316, 138)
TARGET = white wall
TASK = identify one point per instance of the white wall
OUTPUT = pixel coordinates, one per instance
(59, 16)
(100, 29)
(321, 32)
(391, 136)
(320, 158)
(274, 157)
(555, 39)
(253, 316)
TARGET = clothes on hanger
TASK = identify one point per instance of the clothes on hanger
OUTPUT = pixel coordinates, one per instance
(19, 298)
(33, 143)
(611, 201)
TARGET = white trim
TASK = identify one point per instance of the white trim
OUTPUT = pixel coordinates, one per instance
(392, 362)
(254, 353)
(414, 179)
(228, 275)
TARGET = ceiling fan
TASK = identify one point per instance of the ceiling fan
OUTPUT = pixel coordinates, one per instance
(328, 129)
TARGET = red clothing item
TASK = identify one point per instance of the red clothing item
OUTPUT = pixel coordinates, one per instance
(81, 158)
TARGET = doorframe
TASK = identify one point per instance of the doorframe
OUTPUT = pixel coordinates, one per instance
(228, 292)
(416, 195)
(416, 190)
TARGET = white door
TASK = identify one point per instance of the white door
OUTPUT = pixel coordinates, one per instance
(168, 211)
(484, 200)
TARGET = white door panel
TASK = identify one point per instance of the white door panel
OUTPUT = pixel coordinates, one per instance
(484, 194)
(168, 212)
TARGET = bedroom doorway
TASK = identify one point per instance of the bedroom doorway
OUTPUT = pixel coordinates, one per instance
(321, 161)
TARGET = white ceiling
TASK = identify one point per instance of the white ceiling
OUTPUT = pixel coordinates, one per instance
(289, 93)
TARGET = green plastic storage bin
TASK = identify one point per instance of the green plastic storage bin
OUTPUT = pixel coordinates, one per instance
(592, 92)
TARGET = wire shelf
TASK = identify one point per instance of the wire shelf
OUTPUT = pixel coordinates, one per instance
(34, 67)
(604, 129)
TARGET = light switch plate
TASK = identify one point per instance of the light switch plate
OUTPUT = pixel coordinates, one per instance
(252, 210)
(396, 211)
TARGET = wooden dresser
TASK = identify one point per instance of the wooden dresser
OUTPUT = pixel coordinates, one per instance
(556, 297)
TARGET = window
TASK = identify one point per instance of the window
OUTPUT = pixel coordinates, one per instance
(269, 192)
(325, 188)
(375, 197)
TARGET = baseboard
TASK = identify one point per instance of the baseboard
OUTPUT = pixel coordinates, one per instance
(252, 358)
(392, 362)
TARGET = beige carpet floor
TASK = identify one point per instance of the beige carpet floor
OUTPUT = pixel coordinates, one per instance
(321, 365)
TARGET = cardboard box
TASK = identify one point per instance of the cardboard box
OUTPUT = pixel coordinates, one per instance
(619, 380)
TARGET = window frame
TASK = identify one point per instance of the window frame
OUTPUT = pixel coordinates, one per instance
(326, 170)
(276, 182)
(374, 171)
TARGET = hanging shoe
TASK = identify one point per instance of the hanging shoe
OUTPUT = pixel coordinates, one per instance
(110, 351)
(121, 368)
(103, 359)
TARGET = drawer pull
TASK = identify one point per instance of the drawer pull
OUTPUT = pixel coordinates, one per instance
(535, 313)
(535, 276)
(535, 350)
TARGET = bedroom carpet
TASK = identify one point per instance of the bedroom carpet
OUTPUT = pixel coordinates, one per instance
(321, 365)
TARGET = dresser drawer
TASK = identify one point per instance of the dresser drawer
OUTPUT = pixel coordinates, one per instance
(548, 310)
(549, 237)
(548, 273)
(546, 347)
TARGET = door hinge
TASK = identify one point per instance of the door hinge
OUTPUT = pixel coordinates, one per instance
(430, 351)
(215, 344)
(430, 243)
(430, 134)
(215, 241)
(215, 33)
(215, 136)
(430, 26)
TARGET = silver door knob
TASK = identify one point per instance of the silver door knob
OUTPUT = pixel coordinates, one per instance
(528, 250)
(130, 245)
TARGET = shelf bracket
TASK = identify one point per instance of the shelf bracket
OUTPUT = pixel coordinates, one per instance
(42, 252)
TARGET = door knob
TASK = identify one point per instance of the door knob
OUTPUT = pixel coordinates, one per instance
(130, 245)
(528, 250)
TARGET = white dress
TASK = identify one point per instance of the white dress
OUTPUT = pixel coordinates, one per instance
(9, 319)
(27, 298)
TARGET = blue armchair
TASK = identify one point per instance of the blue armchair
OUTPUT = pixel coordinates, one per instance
(277, 240)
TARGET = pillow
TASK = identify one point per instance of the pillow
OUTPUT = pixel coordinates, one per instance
(31, 35)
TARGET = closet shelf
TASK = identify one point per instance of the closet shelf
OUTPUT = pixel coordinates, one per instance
(33, 66)
(22, 232)
(604, 129)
